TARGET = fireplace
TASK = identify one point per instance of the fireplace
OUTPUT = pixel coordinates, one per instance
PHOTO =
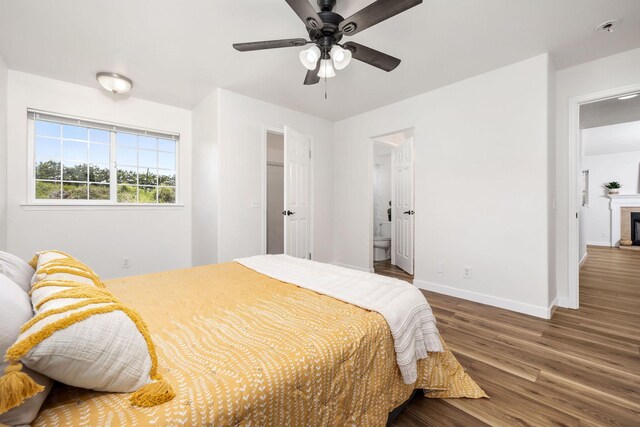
(625, 216)
(635, 228)
(630, 227)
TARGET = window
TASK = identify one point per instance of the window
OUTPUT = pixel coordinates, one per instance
(78, 160)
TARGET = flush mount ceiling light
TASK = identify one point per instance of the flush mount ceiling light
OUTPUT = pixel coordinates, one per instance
(629, 96)
(607, 26)
(326, 29)
(114, 82)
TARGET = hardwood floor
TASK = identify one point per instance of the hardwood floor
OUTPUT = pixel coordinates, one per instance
(385, 268)
(582, 367)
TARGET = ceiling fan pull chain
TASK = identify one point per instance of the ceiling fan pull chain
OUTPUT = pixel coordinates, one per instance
(325, 87)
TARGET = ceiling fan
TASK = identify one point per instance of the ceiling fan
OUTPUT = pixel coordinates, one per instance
(326, 29)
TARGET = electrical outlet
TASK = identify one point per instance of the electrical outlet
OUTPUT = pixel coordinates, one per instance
(255, 203)
(126, 263)
(440, 267)
(467, 272)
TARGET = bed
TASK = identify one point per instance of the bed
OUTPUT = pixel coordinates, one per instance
(241, 348)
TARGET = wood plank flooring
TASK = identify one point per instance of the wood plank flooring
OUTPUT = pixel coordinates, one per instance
(387, 269)
(582, 367)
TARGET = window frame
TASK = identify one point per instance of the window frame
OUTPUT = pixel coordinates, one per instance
(113, 129)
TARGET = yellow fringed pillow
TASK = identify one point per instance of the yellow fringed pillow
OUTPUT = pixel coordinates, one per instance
(83, 336)
(62, 266)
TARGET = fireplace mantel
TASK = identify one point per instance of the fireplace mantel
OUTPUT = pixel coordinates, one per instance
(617, 202)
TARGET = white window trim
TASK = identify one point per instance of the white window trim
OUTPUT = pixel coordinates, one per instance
(111, 204)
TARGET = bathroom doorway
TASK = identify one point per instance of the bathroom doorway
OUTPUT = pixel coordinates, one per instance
(275, 192)
(392, 204)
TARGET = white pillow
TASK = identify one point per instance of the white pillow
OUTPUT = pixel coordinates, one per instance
(15, 309)
(16, 269)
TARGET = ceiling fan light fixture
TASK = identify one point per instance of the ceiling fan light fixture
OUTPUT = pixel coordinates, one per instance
(309, 57)
(341, 57)
(113, 82)
(326, 69)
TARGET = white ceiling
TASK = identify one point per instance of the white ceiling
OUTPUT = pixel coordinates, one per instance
(619, 138)
(177, 52)
(609, 112)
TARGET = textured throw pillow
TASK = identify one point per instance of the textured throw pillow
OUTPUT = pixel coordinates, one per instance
(15, 310)
(61, 266)
(83, 336)
(16, 269)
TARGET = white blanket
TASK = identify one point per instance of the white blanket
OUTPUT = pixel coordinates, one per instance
(404, 307)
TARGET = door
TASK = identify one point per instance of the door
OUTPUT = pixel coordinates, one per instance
(403, 206)
(297, 224)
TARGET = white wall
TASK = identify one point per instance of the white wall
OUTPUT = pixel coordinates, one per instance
(551, 183)
(205, 179)
(482, 149)
(621, 167)
(3, 154)
(617, 138)
(153, 238)
(242, 122)
(603, 74)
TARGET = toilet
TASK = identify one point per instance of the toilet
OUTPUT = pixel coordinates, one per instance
(382, 241)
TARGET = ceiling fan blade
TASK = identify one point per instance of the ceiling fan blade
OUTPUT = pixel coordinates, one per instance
(375, 13)
(269, 44)
(372, 57)
(312, 76)
(306, 12)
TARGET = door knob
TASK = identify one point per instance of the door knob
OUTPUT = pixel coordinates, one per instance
(287, 213)
(409, 212)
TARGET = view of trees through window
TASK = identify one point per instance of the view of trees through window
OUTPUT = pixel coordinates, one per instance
(75, 163)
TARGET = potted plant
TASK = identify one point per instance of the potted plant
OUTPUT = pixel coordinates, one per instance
(613, 187)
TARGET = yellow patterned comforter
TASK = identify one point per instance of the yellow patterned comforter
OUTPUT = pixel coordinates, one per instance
(240, 348)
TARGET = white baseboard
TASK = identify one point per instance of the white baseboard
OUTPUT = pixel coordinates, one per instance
(520, 307)
(563, 302)
(553, 306)
(353, 267)
(607, 244)
(584, 258)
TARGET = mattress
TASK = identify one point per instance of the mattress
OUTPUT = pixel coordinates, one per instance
(240, 348)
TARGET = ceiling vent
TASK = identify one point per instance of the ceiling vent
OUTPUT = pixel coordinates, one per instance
(608, 26)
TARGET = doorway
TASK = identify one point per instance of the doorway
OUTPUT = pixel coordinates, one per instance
(275, 193)
(392, 203)
(602, 146)
(287, 193)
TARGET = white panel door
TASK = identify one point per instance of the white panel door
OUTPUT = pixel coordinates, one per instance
(297, 224)
(403, 206)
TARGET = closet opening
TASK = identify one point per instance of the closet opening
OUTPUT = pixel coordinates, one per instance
(275, 192)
